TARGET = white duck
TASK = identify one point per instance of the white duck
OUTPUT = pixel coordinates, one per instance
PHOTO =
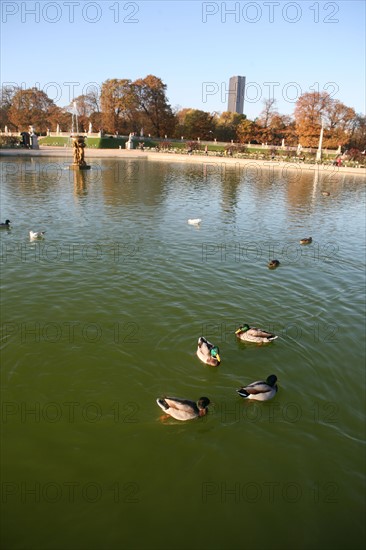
(36, 235)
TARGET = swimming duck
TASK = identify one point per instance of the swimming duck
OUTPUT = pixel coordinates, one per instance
(308, 240)
(6, 224)
(252, 334)
(260, 390)
(36, 234)
(183, 409)
(208, 353)
(272, 264)
(194, 221)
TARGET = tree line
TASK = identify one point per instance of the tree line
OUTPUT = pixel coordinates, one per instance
(123, 106)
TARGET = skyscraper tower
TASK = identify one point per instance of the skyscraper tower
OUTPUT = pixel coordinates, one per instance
(236, 94)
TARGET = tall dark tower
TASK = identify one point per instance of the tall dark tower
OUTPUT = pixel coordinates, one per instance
(236, 94)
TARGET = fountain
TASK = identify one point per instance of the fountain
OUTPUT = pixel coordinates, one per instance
(78, 143)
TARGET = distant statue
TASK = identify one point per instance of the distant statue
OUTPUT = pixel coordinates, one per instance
(33, 138)
(129, 144)
(90, 128)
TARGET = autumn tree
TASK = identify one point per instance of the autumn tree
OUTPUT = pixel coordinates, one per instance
(313, 109)
(309, 111)
(264, 120)
(274, 127)
(248, 131)
(130, 106)
(117, 105)
(32, 107)
(357, 134)
(226, 125)
(288, 131)
(152, 110)
(193, 124)
(340, 121)
(61, 118)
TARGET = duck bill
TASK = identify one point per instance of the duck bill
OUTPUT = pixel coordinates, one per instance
(237, 331)
(218, 358)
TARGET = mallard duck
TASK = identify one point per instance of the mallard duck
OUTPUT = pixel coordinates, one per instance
(307, 240)
(183, 409)
(260, 390)
(252, 334)
(36, 234)
(194, 221)
(272, 264)
(6, 224)
(208, 353)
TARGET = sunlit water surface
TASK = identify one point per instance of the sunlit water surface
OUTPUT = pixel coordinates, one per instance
(102, 317)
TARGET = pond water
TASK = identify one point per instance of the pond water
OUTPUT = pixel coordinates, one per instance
(102, 316)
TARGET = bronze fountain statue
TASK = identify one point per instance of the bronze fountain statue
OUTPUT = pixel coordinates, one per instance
(78, 143)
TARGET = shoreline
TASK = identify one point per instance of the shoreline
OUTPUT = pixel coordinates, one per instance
(150, 156)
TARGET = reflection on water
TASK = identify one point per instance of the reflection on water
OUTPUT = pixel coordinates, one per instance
(80, 183)
(103, 316)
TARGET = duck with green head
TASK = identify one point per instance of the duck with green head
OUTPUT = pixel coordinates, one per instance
(253, 334)
(208, 353)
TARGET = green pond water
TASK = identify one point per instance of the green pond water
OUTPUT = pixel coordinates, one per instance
(102, 316)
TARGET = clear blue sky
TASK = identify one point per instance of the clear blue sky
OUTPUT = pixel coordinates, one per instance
(283, 48)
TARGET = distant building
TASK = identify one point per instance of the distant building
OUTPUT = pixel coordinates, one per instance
(236, 94)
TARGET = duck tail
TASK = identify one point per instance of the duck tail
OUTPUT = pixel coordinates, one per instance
(243, 393)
